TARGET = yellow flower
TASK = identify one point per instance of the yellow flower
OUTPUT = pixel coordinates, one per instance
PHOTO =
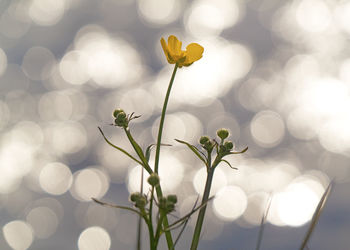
(174, 54)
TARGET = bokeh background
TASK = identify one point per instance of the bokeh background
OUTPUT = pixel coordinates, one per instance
(275, 73)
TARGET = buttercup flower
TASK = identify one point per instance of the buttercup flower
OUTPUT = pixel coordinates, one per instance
(174, 54)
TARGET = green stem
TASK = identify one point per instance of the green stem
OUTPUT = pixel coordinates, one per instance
(138, 151)
(156, 163)
(200, 219)
(168, 236)
(162, 118)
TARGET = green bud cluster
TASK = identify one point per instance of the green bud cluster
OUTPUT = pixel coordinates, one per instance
(168, 203)
(222, 133)
(206, 143)
(121, 119)
(153, 179)
(139, 200)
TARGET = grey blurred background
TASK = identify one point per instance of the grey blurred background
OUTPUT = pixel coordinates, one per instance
(275, 73)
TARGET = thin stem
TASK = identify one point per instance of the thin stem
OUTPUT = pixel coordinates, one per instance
(200, 219)
(168, 236)
(161, 123)
(156, 163)
(138, 151)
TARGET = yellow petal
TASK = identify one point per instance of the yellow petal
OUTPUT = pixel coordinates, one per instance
(166, 50)
(193, 52)
(174, 45)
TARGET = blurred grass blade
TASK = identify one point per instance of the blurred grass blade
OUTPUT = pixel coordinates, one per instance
(184, 226)
(316, 216)
(262, 224)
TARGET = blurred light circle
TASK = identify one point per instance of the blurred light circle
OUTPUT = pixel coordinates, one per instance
(43, 221)
(94, 238)
(68, 137)
(14, 25)
(207, 17)
(180, 125)
(171, 173)
(46, 12)
(111, 61)
(89, 183)
(73, 67)
(18, 234)
(298, 202)
(334, 135)
(342, 15)
(313, 15)
(131, 101)
(199, 179)
(55, 178)
(256, 207)
(3, 61)
(344, 69)
(4, 114)
(230, 203)
(267, 128)
(160, 11)
(37, 63)
(222, 65)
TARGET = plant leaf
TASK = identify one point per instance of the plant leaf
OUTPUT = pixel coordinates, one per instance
(194, 150)
(229, 164)
(317, 215)
(120, 149)
(240, 152)
(149, 148)
(116, 206)
(262, 224)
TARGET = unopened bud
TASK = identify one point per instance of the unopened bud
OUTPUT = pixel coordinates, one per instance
(153, 179)
(172, 198)
(116, 112)
(135, 196)
(204, 139)
(228, 145)
(222, 133)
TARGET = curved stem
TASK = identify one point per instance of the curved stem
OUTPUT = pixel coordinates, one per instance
(161, 123)
(156, 163)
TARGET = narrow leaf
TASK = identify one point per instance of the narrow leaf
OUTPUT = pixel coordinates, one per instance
(240, 152)
(229, 164)
(120, 149)
(317, 215)
(115, 206)
(194, 150)
(149, 148)
(262, 224)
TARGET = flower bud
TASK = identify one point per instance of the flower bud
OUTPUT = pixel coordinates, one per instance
(141, 202)
(116, 112)
(162, 202)
(135, 196)
(172, 198)
(204, 140)
(222, 133)
(228, 145)
(121, 119)
(153, 179)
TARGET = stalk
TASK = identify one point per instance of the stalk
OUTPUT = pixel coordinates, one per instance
(162, 118)
(200, 219)
(156, 164)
